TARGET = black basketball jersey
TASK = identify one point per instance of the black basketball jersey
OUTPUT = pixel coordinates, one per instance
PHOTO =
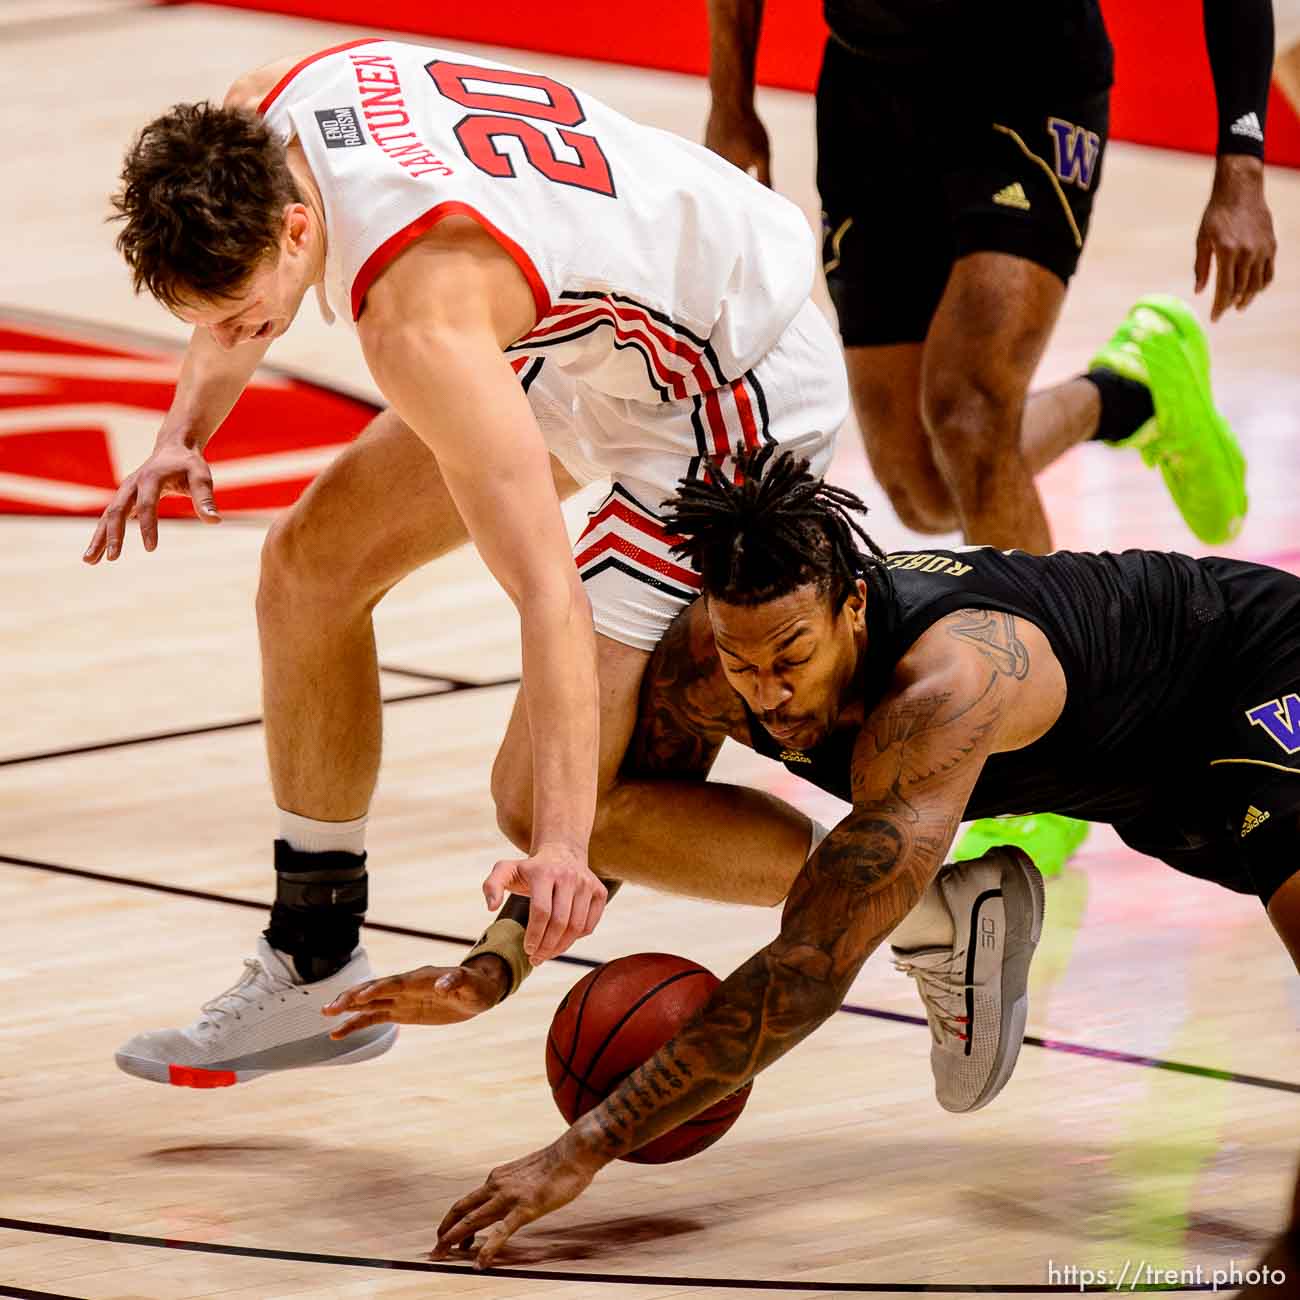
(1017, 44)
(1142, 638)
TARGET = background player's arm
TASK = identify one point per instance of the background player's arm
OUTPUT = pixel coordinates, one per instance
(1236, 230)
(734, 130)
(965, 690)
(433, 328)
(210, 383)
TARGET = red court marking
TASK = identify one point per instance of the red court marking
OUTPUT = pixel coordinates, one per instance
(58, 422)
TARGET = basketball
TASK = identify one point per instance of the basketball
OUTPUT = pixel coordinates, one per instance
(614, 1019)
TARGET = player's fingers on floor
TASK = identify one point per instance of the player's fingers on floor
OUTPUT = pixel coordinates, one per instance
(466, 1205)
(499, 1236)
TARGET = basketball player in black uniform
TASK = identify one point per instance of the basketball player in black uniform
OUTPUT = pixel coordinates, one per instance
(960, 147)
(1149, 690)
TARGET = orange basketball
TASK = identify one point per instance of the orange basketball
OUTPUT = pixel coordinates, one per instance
(615, 1018)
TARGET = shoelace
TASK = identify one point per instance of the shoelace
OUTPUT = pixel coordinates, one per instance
(246, 990)
(943, 994)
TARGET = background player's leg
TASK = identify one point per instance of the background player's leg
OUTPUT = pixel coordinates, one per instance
(984, 344)
(886, 386)
(1284, 912)
(885, 383)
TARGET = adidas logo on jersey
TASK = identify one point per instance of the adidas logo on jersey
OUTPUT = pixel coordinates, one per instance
(1254, 818)
(1248, 125)
(794, 756)
(1013, 197)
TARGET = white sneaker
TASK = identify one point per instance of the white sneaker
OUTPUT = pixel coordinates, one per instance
(976, 992)
(265, 1022)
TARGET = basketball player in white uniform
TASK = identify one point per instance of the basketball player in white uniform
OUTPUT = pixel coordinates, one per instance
(477, 226)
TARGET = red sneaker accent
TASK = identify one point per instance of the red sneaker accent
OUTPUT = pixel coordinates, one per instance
(189, 1076)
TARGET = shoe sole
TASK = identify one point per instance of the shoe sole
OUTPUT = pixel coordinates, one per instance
(1022, 897)
(195, 1076)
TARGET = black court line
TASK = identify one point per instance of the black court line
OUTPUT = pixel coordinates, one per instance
(24, 1293)
(568, 1275)
(568, 959)
(447, 686)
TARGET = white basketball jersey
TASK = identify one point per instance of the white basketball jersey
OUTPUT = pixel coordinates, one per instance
(658, 270)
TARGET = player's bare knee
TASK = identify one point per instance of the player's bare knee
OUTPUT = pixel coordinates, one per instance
(923, 508)
(291, 574)
(301, 571)
(972, 427)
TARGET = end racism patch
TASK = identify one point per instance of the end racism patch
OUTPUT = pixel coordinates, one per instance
(340, 127)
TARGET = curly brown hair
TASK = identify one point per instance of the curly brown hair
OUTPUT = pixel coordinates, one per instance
(203, 193)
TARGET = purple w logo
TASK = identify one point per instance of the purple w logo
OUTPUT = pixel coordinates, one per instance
(1076, 151)
(1281, 719)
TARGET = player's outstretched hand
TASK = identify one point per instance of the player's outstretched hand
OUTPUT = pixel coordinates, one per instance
(566, 899)
(513, 1195)
(431, 995)
(1237, 233)
(739, 136)
(172, 470)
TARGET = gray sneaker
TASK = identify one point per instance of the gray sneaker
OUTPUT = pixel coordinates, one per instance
(976, 992)
(266, 1021)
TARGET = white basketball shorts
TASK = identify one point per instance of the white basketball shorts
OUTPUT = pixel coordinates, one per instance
(797, 396)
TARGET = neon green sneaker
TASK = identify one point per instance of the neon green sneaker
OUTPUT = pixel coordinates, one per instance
(1160, 344)
(1048, 838)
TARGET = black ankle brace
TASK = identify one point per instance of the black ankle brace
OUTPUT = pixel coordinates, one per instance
(320, 900)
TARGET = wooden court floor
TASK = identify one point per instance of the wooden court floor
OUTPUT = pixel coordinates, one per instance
(843, 1174)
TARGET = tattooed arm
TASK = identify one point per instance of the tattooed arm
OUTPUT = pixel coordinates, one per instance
(958, 693)
(687, 708)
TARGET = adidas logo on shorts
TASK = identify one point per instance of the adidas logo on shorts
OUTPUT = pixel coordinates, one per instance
(1254, 818)
(1013, 196)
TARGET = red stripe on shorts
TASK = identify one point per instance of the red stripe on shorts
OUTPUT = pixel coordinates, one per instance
(613, 542)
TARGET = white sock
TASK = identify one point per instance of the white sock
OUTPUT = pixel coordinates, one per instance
(819, 833)
(308, 836)
(927, 925)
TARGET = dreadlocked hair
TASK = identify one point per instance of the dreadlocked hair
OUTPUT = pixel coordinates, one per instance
(772, 530)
